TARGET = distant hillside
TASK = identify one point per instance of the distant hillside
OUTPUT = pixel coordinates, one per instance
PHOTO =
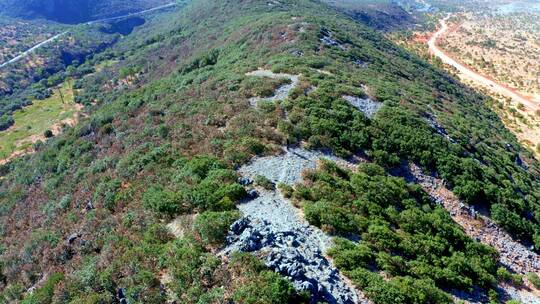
(74, 11)
(379, 14)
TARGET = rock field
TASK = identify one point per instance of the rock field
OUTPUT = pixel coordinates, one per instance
(274, 229)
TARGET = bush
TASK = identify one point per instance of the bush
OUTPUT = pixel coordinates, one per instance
(348, 255)
(44, 294)
(286, 190)
(107, 191)
(264, 182)
(402, 234)
(48, 134)
(6, 121)
(190, 267)
(260, 285)
(161, 200)
(253, 145)
(505, 275)
(214, 226)
(12, 293)
(534, 279)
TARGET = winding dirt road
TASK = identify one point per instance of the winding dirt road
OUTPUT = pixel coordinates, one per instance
(46, 42)
(473, 76)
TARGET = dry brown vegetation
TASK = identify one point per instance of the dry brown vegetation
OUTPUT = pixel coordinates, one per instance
(503, 47)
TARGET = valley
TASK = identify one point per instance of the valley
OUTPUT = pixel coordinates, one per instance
(502, 46)
(29, 124)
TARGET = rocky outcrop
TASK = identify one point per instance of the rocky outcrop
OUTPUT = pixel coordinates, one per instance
(327, 38)
(296, 254)
(275, 230)
(432, 121)
(287, 168)
(365, 105)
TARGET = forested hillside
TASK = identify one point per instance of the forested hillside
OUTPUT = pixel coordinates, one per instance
(175, 109)
(74, 11)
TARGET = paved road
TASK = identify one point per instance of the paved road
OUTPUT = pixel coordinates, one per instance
(46, 42)
(133, 14)
(30, 50)
(474, 76)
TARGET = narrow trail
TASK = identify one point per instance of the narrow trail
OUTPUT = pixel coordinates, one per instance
(473, 76)
(55, 37)
(134, 14)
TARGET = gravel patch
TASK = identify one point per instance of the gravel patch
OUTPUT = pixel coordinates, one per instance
(282, 92)
(365, 105)
(287, 168)
(524, 296)
(274, 229)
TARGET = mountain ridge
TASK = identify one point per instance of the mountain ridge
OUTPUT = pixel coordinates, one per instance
(170, 119)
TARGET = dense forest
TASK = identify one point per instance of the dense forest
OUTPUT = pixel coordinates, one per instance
(83, 219)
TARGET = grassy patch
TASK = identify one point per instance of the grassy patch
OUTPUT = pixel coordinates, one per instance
(32, 121)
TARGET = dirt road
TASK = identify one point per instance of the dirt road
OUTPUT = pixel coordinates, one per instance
(46, 42)
(471, 75)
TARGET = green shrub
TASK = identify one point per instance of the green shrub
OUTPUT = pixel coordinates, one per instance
(253, 145)
(349, 256)
(48, 134)
(261, 285)
(107, 191)
(271, 289)
(263, 181)
(534, 279)
(190, 266)
(12, 293)
(504, 275)
(402, 234)
(161, 200)
(214, 226)
(44, 294)
(286, 190)
(94, 298)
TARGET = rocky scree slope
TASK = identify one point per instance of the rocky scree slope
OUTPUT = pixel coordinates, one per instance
(272, 226)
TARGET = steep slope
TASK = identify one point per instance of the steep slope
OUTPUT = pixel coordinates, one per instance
(74, 11)
(84, 218)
